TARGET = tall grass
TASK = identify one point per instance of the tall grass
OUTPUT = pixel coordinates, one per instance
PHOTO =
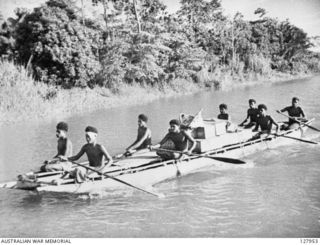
(19, 94)
(22, 98)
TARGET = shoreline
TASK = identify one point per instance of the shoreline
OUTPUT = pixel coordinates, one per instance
(63, 103)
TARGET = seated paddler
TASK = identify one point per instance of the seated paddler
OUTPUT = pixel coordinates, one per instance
(264, 122)
(295, 113)
(143, 140)
(59, 163)
(176, 143)
(252, 115)
(96, 154)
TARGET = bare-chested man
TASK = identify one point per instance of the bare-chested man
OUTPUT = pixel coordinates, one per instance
(264, 122)
(143, 140)
(95, 153)
(58, 162)
(252, 115)
(295, 113)
(176, 140)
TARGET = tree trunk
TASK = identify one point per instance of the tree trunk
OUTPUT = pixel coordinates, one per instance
(232, 40)
(105, 18)
(137, 15)
(29, 62)
(82, 13)
(105, 7)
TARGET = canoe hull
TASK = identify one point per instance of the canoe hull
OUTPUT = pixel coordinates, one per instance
(146, 169)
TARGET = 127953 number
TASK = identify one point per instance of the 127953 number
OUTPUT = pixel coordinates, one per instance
(309, 240)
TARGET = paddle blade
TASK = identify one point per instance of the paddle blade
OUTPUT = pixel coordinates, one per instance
(298, 139)
(228, 160)
(178, 173)
(318, 130)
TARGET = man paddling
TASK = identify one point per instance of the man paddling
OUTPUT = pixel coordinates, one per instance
(295, 112)
(175, 140)
(64, 150)
(143, 140)
(95, 153)
(264, 121)
(252, 114)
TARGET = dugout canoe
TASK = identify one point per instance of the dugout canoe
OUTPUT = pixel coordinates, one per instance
(146, 168)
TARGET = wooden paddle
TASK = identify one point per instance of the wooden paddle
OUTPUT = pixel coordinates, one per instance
(119, 180)
(178, 170)
(304, 124)
(129, 154)
(294, 138)
(222, 159)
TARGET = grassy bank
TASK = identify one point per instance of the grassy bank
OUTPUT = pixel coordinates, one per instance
(22, 98)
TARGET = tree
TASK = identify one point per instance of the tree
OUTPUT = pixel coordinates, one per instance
(295, 40)
(198, 15)
(8, 33)
(62, 50)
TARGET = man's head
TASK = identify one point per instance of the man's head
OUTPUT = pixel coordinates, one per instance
(252, 103)
(174, 125)
(295, 102)
(223, 108)
(142, 120)
(62, 129)
(262, 108)
(91, 134)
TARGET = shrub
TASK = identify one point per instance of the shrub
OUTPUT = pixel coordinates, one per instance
(62, 50)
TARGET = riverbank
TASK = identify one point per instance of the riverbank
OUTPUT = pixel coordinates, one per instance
(23, 99)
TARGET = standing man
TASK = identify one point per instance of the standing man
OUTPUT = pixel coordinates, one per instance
(295, 112)
(252, 114)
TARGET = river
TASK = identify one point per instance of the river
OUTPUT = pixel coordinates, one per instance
(278, 197)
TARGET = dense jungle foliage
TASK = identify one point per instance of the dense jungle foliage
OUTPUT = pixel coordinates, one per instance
(139, 42)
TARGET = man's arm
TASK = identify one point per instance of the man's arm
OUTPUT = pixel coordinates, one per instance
(248, 116)
(130, 146)
(65, 152)
(152, 147)
(241, 124)
(164, 139)
(275, 123)
(192, 140)
(137, 143)
(69, 148)
(68, 151)
(76, 157)
(256, 128)
(107, 156)
(302, 113)
(284, 109)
